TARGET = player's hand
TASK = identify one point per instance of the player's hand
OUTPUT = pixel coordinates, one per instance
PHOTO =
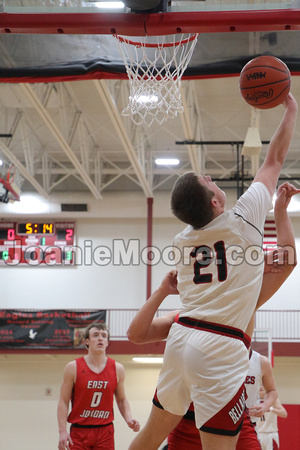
(169, 283)
(64, 441)
(284, 194)
(134, 425)
(290, 100)
(258, 410)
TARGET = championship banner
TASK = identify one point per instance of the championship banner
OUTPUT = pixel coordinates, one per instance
(46, 329)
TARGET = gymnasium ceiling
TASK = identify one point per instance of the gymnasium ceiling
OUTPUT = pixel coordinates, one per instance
(67, 134)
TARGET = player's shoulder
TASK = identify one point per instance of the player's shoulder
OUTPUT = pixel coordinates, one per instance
(71, 364)
(260, 191)
(111, 361)
(264, 358)
(265, 362)
(120, 371)
(257, 190)
(119, 366)
(76, 362)
(182, 235)
(71, 368)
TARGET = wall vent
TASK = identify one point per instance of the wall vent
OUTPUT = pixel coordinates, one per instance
(75, 207)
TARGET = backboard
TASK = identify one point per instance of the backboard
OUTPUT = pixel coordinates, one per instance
(10, 183)
(63, 40)
(44, 44)
(7, 193)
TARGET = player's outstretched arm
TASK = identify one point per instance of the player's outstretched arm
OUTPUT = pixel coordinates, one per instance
(287, 258)
(279, 146)
(144, 328)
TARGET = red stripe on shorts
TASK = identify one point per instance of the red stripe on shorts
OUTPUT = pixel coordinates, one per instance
(211, 327)
(229, 420)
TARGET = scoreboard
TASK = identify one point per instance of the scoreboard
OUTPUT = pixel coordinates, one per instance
(37, 243)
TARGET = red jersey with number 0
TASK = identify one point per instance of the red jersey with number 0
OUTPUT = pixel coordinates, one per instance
(93, 394)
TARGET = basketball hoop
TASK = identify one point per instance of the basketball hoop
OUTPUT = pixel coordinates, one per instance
(154, 71)
(10, 183)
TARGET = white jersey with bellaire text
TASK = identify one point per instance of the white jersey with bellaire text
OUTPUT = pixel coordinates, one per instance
(253, 381)
(221, 265)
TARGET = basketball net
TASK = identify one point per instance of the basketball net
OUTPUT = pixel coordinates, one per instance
(154, 71)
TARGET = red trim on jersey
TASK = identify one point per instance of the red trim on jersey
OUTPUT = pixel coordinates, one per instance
(247, 340)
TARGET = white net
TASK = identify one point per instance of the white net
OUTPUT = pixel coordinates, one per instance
(154, 71)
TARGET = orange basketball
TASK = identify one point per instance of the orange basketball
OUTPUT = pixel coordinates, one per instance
(265, 82)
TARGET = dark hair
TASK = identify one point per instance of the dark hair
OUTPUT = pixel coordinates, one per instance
(190, 201)
(98, 326)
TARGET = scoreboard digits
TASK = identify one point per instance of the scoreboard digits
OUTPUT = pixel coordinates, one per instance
(37, 243)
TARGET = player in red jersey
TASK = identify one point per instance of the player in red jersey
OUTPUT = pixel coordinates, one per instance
(145, 328)
(90, 384)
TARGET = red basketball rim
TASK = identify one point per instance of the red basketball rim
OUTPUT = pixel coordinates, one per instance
(156, 45)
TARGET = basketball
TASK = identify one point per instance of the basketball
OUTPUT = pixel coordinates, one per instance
(265, 82)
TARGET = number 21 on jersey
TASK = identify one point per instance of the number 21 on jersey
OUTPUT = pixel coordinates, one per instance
(205, 256)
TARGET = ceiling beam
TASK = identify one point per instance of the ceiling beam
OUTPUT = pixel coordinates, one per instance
(114, 114)
(23, 171)
(189, 133)
(37, 104)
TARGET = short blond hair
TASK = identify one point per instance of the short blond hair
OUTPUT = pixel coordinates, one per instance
(99, 326)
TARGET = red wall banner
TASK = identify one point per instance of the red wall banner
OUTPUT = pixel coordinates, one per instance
(46, 329)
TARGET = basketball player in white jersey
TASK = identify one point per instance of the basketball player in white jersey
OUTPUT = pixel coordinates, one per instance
(146, 328)
(267, 427)
(260, 373)
(205, 360)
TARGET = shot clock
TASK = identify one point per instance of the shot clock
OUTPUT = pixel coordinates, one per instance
(37, 243)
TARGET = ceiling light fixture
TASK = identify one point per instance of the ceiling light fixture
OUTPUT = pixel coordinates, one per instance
(147, 360)
(167, 161)
(108, 5)
(143, 99)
